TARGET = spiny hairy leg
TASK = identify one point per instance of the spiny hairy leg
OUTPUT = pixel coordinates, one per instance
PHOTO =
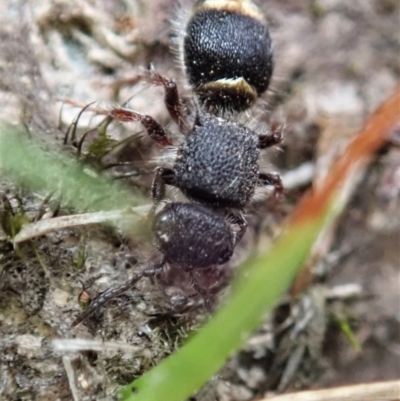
(172, 100)
(105, 296)
(271, 179)
(273, 137)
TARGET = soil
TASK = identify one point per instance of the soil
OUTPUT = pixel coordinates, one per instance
(335, 62)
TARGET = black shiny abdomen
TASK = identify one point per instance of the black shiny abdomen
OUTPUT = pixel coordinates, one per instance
(227, 45)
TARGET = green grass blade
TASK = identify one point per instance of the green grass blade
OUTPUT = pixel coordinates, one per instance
(41, 169)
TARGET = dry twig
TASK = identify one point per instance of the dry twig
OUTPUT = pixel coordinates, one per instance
(43, 227)
(379, 391)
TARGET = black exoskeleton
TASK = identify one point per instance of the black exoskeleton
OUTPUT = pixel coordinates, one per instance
(227, 54)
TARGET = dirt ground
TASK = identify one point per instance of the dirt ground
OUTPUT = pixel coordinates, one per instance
(335, 62)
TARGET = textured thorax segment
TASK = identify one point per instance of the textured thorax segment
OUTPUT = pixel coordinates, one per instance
(227, 54)
(192, 236)
(217, 165)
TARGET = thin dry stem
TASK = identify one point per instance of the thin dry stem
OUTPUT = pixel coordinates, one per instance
(379, 391)
(81, 344)
(69, 370)
(43, 227)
